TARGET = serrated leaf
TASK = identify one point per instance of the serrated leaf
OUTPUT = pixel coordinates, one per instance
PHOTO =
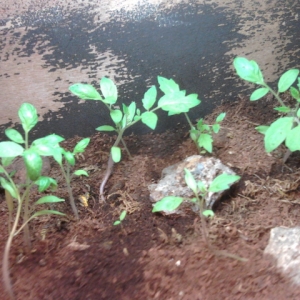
(81, 172)
(116, 154)
(277, 133)
(262, 129)
(293, 139)
(169, 203)
(150, 119)
(220, 117)
(177, 102)
(287, 79)
(259, 93)
(81, 145)
(14, 135)
(49, 199)
(105, 128)
(223, 182)
(28, 116)
(205, 140)
(10, 149)
(116, 115)
(283, 109)
(149, 97)
(190, 180)
(85, 91)
(248, 70)
(109, 90)
(167, 85)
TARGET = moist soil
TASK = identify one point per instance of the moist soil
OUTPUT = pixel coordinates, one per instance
(152, 256)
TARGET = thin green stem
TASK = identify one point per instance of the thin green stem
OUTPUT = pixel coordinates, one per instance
(274, 93)
(67, 177)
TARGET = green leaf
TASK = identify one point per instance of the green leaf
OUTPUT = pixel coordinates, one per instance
(208, 213)
(14, 135)
(109, 90)
(287, 79)
(259, 93)
(194, 134)
(248, 70)
(277, 133)
(118, 222)
(9, 187)
(85, 91)
(49, 199)
(44, 182)
(81, 172)
(123, 215)
(28, 116)
(201, 187)
(295, 93)
(216, 128)
(116, 154)
(283, 109)
(6, 161)
(46, 212)
(10, 149)
(223, 182)
(298, 113)
(205, 140)
(105, 128)
(33, 163)
(131, 112)
(149, 97)
(70, 157)
(190, 181)
(48, 145)
(169, 203)
(293, 139)
(80, 146)
(116, 115)
(220, 117)
(262, 129)
(177, 102)
(167, 85)
(150, 119)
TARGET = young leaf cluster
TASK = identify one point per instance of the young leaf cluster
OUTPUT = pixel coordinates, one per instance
(287, 128)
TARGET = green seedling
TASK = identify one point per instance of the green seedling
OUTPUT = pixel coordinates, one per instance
(18, 195)
(287, 128)
(68, 164)
(200, 191)
(201, 134)
(121, 218)
(175, 101)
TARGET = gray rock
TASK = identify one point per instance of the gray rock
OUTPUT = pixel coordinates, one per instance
(172, 183)
(284, 247)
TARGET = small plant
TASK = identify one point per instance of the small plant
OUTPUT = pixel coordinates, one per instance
(70, 160)
(201, 134)
(18, 195)
(287, 128)
(121, 218)
(175, 101)
(220, 183)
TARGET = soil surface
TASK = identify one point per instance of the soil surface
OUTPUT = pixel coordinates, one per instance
(151, 256)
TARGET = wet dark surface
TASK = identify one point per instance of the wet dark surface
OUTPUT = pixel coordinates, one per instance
(178, 43)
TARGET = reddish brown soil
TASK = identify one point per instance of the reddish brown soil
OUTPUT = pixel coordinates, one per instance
(156, 257)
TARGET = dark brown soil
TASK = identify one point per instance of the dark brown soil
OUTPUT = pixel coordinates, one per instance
(151, 256)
